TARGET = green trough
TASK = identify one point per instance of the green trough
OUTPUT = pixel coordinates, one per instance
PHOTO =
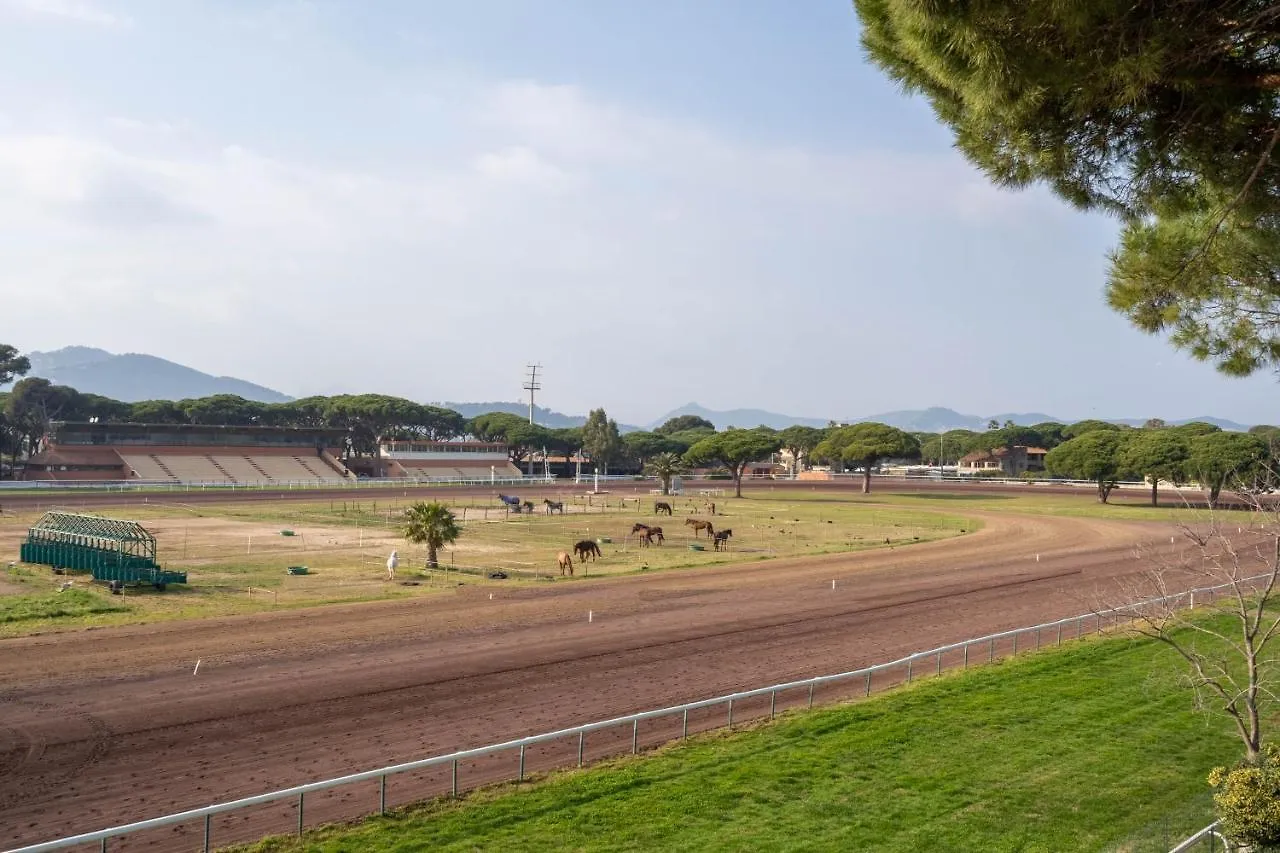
(109, 549)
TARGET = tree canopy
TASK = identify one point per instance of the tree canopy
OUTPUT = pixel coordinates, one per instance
(12, 365)
(601, 440)
(1166, 114)
(799, 441)
(866, 445)
(1157, 454)
(1096, 455)
(1219, 460)
(735, 449)
(683, 423)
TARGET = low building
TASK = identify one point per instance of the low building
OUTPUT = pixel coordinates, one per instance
(446, 460)
(1011, 462)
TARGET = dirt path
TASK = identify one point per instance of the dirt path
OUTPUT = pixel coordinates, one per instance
(102, 727)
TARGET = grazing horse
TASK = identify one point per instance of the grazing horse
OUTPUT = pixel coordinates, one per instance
(699, 526)
(648, 534)
(565, 562)
(586, 548)
(553, 506)
(660, 507)
(721, 537)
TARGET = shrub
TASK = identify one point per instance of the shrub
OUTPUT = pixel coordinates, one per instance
(1248, 801)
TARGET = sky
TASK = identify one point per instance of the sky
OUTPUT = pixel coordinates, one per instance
(660, 202)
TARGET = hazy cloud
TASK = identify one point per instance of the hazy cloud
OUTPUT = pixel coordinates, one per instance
(71, 11)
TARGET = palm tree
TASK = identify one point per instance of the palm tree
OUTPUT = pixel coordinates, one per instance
(664, 466)
(431, 524)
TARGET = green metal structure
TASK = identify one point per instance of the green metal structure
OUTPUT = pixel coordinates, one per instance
(112, 550)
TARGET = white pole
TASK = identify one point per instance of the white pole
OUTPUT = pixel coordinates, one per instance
(590, 615)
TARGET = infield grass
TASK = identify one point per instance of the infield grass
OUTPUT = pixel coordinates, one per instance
(1089, 748)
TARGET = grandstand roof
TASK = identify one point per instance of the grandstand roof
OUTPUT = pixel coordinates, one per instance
(95, 526)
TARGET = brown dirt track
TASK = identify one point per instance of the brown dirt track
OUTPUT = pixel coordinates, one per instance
(102, 727)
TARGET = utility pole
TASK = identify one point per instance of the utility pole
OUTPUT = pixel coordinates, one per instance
(531, 385)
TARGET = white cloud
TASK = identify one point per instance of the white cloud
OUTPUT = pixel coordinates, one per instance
(72, 11)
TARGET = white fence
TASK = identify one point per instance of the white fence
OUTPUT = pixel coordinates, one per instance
(794, 693)
(1208, 839)
(263, 485)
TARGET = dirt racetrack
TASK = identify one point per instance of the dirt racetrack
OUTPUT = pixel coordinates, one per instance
(107, 726)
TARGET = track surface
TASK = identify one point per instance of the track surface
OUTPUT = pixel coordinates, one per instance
(107, 726)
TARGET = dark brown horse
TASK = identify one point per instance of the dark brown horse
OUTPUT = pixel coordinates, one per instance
(648, 534)
(553, 506)
(661, 507)
(586, 548)
(721, 539)
(699, 526)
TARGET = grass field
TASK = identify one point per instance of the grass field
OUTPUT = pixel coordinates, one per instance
(236, 556)
(1088, 748)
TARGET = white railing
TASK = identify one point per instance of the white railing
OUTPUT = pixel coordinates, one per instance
(1206, 839)
(263, 485)
(906, 668)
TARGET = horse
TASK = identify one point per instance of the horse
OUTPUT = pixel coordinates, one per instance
(509, 500)
(720, 539)
(699, 526)
(553, 506)
(528, 506)
(565, 562)
(584, 548)
(711, 508)
(392, 562)
(647, 534)
(659, 507)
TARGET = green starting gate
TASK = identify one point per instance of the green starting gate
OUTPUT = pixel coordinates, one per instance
(110, 549)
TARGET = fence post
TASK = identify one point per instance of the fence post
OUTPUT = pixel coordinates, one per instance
(730, 713)
(773, 702)
(455, 778)
(207, 820)
(582, 742)
(520, 778)
(300, 796)
(635, 737)
(382, 794)
(868, 691)
(910, 662)
(103, 846)
(684, 725)
(1079, 626)
(1037, 639)
(1059, 634)
(938, 669)
(991, 650)
(811, 695)
(966, 655)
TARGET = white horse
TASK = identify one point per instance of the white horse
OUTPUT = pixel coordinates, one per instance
(392, 562)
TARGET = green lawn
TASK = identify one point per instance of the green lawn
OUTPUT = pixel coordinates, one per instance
(1090, 748)
(71, 603)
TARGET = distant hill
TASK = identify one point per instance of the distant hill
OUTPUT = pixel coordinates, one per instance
(132, 377)
(745, 418)
(1229, 426)
(544, 417)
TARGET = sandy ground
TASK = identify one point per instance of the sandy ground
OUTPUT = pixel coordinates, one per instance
(107, 726)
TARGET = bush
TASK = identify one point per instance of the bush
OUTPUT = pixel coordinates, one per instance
(1248, 801)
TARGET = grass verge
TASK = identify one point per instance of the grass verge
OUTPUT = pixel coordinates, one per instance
(69, 604)
(1088, 748)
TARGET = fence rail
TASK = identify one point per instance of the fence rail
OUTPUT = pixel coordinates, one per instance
(1206, 839)
(263, 485)
(906, 666)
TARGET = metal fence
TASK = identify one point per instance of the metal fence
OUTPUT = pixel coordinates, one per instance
(261, 485)
(755, 704)
(1207, 840)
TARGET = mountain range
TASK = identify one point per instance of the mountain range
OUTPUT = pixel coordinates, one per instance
(131, 377)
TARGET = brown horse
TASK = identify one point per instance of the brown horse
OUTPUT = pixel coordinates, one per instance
(553, 506)
(586, 548)
(711, 508)
(661, 507)
(648, 534)
(721, 539)
(699, 526)
(565, 562)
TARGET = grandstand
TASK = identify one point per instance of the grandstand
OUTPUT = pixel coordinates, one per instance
(445, 460)
(189, 453)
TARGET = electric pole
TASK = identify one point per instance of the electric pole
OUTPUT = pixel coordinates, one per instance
(532, 384)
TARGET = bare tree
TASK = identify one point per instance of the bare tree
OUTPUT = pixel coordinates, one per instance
(1215, 605)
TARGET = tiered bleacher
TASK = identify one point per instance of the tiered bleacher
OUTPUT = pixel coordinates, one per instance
(446, 460)
(189, 453)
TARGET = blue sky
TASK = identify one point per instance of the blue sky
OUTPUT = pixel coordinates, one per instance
(661, 202)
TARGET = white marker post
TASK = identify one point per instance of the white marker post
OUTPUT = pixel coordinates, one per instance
(590, 616)
(197, 669)
(833, 583)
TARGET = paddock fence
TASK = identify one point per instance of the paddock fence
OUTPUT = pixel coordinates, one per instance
(1207, 840)
(452, 773)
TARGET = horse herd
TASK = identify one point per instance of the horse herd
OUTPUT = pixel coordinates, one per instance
(648, 534)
